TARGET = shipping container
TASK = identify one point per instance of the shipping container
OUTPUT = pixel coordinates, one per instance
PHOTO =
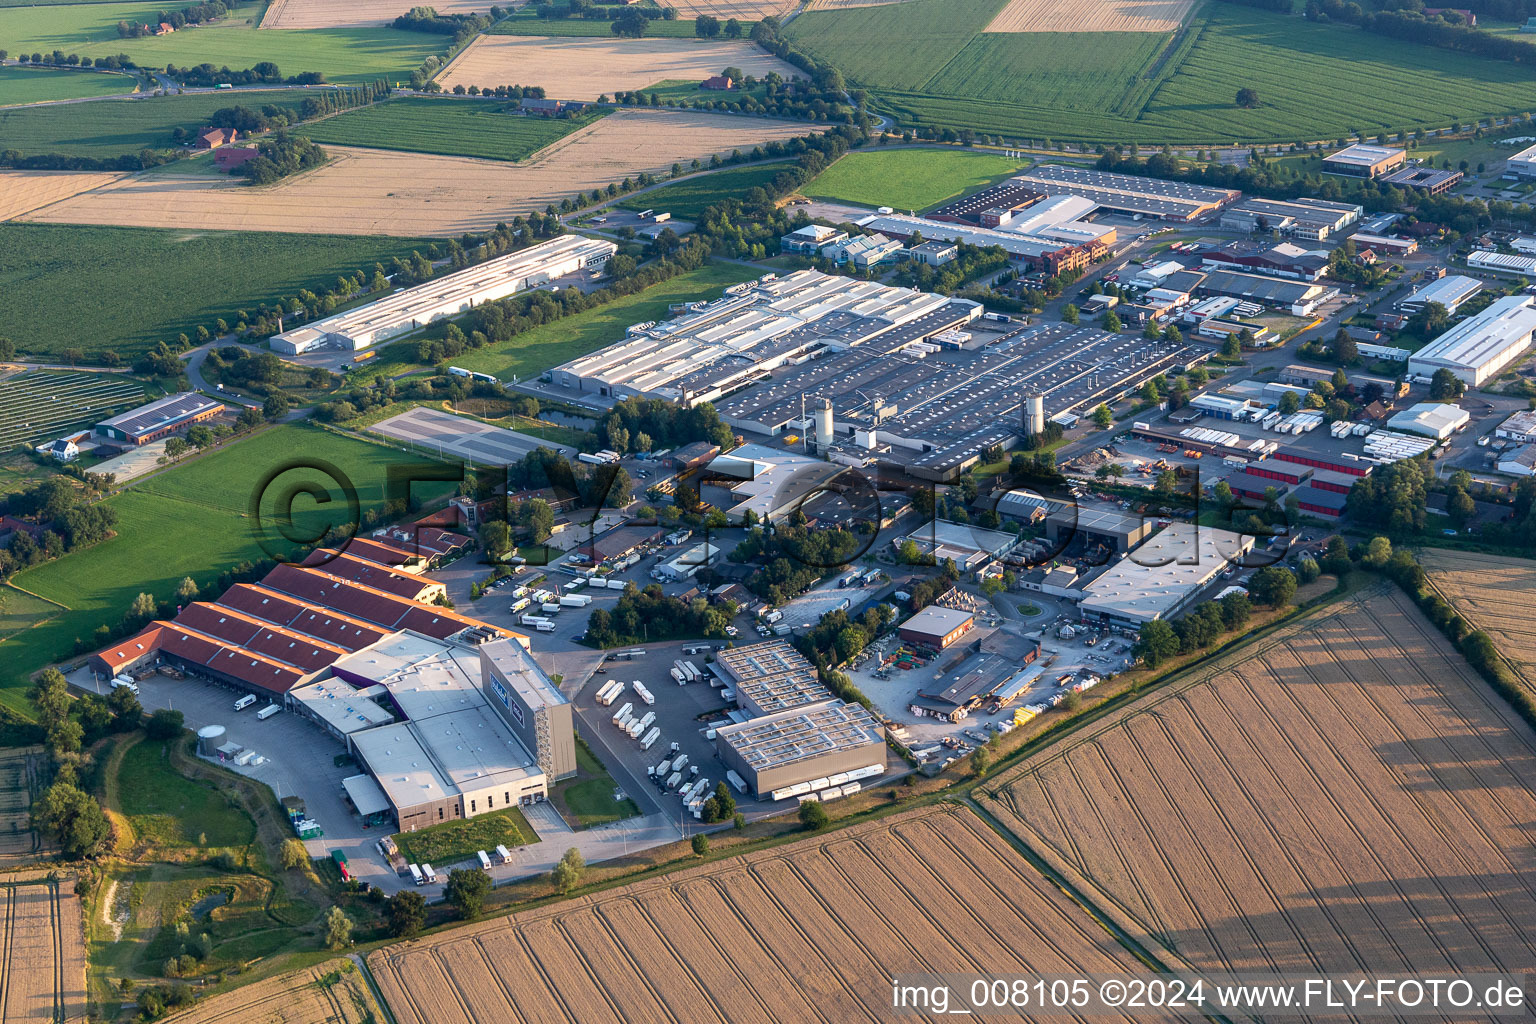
(268, 711)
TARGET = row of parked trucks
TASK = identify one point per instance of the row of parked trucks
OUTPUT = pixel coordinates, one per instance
(685, 672)
(831, 787)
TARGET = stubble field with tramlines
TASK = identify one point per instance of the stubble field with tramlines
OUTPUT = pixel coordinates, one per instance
(1496, 595)
(1345, 795)
(813, 931)
(333, 993)
(42, 953)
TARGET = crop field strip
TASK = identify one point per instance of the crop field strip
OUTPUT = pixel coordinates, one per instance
(1346, 797)
(450, 126)
(812, 931)
(299, 997)
(1496, 595)
(310, 14)
(42, 957)
(36, 405)
(24, 191)
(1095, 16)
(19, 768)
(381, 192)
(113, 127)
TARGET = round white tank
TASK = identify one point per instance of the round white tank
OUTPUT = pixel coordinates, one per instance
(824, 423)
(209, 739)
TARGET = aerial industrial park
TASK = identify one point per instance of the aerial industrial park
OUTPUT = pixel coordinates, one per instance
(765, 511)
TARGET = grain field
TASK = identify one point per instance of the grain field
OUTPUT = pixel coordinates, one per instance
(1094, 16)
(20, 769)
(357, 14)
(1346, 795)
(375, 192)
(843, 5)
(571, 68)
(42, 955)
(741, 10)
(331, 993)
(811, 932)
(24, 191)
(1496, 595)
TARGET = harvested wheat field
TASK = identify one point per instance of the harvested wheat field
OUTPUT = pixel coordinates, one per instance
(585, 68)
(375, 192)
(1496, 595)
(810, 931)
(741, 10)
(1345, 795)
(358, 14)
(844, 5)
(42, 958)
(1094, 16)
(24, 191)
(20, 784)
(331, 993)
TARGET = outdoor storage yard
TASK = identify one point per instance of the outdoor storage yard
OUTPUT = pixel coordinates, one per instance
(812, 931)
(42, 957)
(584, 69)
(1345, 794)
(334, 992)
(374, 192)
(1099, 16)
(1495, 595)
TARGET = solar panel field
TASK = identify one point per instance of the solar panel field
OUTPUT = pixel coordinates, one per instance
(42, 405)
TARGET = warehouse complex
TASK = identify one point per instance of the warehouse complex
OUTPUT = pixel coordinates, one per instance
(795, 734)
(1479, 347)
(160, 418)
(1363, 161)
(936, 627)
(455, 293)
(1315, 219)
(1163, 576)
(1501, 262)
(1450, 291)
(1153, 198)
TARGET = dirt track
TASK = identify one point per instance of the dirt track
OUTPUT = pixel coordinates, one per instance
(367, 191)
(1095, 16)
(812, 931)
(1346, 796)
(586, 68)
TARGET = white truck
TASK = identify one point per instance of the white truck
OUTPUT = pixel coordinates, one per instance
(575, 601)
(609, 692)
(268, 711)
(678, 676)
(674, 779)
(544, 627)
(428, 873)
(650, 738)
(680, 762)
(520, 604)
(694, 675)
(643, 693)
(735, 780)
(505, 854)
(485, 861)
(623, 712)
(649, 720)
(550, 608)
(634, 728)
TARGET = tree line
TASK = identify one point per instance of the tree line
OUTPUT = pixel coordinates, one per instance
(177, 19)
(646, 615)
(460, 26)
(67, 517)
(1445, 30)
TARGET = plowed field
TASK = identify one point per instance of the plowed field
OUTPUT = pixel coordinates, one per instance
(808, 932)
(374, 192)
(1345, 796)
(583, 69)
(1496, 595)
(332, 993)
(42, 955)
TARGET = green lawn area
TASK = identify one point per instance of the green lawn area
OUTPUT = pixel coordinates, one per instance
(170, 810)
(909, 179)
(1124, 87)
(124, 289)
(528, 23)
(113, 128)
(28, 85)
(686, 200)
(341, 54)
(587, 799)
(535, 351)
(20, 610)
(445, 845)
(191, 520)
(457, 127)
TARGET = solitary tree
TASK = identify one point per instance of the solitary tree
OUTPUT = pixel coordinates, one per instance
(466, 891)
(567, 873)
(407, 913)
(700, 845)
(1247, 98)
(293, 855)
(338, 929)
(1103, 417)
(813, 816)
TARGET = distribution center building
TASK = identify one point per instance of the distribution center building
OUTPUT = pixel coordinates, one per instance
(770, 677)
(455, 293)
(1163, 576)
(803, 745)
(936, 627)
(1481, 346)
(1450, 291)
(531, 704)
(1362, 161)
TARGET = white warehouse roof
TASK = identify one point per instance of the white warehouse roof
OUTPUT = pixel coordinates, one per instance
(1156, 579)
(1480, 345)
(1487, 259)
(454, 293)
(1450, 291)
(1431, 419)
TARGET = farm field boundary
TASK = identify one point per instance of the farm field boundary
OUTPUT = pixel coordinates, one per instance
(486, 129)
(810, 930)
(1346, 795)
(1495, 594)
